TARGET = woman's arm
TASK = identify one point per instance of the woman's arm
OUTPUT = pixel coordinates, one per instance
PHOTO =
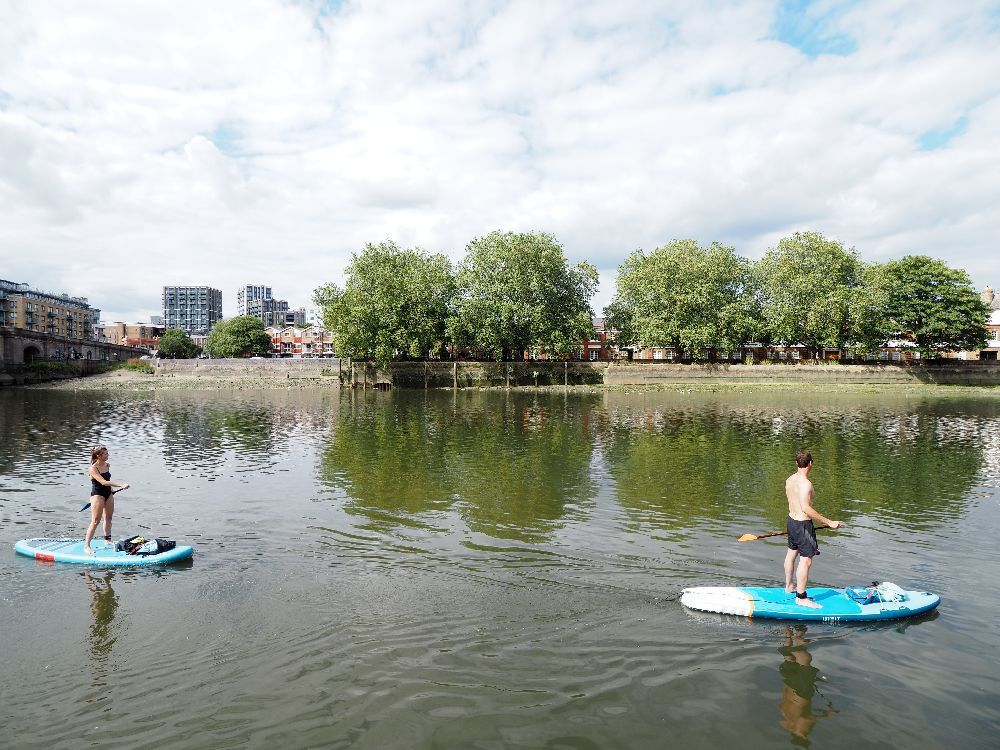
(96, 476)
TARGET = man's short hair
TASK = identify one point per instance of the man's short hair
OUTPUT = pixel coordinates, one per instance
(803, 459)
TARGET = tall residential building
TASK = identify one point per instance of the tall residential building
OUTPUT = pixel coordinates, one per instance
(262, 308)
(44, 312)
(257, 300)
(250, 294)
(193, 309)
(285, 317)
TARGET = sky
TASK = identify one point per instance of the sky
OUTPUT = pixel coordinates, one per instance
(239, 142)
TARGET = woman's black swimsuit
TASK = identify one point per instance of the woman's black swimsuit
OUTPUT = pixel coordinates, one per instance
(96, 488)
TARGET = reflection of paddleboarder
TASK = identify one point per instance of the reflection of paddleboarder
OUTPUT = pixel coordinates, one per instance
(104, 607)
(799, 677)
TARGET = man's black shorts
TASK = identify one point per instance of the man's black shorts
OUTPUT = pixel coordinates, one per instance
(802, 537)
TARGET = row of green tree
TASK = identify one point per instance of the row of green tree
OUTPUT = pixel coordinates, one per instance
(242, 336)
(516, 291)
(807, 290)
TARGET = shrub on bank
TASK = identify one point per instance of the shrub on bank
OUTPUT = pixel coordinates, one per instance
(48, 367)
(137, 365)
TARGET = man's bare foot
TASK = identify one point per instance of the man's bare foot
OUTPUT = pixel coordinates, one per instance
(789, 588)
(88, 551)
(807, 602)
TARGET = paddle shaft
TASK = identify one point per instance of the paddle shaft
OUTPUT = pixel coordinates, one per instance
(755, 537)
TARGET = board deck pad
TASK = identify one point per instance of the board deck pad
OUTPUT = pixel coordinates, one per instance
(105, 554)
(775, 603)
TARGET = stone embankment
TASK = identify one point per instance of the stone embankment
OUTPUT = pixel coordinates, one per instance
(535, 374)
(245, 373)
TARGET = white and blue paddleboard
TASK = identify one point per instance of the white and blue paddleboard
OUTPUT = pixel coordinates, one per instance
(71, 551)
(884, 601)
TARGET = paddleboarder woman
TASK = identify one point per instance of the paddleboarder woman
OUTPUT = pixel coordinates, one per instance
(102, 501)
(802, 542)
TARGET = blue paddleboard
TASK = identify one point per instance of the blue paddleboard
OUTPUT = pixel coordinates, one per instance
(854, 603)
(71, 551)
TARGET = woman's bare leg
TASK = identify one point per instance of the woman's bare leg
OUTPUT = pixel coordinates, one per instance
(96, 511)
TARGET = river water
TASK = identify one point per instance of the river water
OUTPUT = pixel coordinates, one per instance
(494, 570)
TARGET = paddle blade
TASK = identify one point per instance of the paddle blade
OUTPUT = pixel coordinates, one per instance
(84, 508)
(748, 538)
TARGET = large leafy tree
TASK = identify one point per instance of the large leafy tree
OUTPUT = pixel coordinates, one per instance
(685, 296)
(868, 311)
(809, 287)
(176, 344)
(242, 336)
(394, 302)
(936, 305)
(517, 291)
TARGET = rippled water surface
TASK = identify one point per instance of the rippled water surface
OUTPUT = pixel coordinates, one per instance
(493, 570)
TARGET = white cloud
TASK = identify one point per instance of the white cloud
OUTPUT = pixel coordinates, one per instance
(263, 141)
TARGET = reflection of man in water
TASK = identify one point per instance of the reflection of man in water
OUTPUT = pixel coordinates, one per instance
(799, 677)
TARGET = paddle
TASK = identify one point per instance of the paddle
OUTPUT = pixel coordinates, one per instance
(755, 537)
(113, 492)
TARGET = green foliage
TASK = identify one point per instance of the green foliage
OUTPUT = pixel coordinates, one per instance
(176, 344)
(687, 297)
(394, 303)
(49, 367)
(516, 291)
(242, 336)
(936, 304)
(809, 288)
(136, 365)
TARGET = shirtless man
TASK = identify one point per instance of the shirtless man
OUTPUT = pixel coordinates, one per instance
(802, 542)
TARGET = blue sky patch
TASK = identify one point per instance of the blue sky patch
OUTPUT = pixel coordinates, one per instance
(935, 139)
(226, 138)
(799, 25)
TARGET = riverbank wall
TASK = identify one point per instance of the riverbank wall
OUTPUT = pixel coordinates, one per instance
(251, 368)
(44, 372)
(348, 373)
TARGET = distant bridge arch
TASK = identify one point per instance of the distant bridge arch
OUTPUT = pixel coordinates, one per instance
(20, 346)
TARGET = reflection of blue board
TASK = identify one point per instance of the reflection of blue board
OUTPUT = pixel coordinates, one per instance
(71, 551)
(887, 602)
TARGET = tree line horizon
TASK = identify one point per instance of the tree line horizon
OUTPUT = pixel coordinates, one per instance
(515, 292)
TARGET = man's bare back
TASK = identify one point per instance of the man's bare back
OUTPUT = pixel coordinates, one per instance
(800, 494)
(802, 544)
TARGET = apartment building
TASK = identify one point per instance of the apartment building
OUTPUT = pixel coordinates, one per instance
(193, 309)
(145, 335)
(258, 300)
(292, 341)
(284, 318)
(251, 295)
(44, 312)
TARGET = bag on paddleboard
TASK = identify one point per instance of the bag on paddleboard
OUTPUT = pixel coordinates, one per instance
(877, 592)
(140, 545)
